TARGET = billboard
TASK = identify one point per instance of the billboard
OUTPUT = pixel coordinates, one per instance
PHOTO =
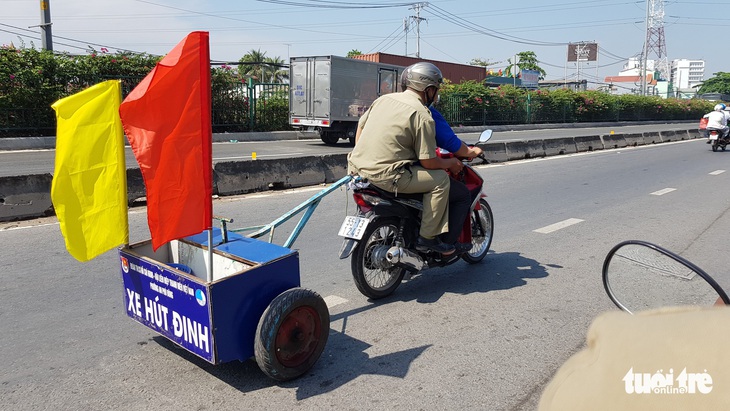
(582, 52)
(530, 78)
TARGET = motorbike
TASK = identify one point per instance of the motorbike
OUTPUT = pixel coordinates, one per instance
(638, 275)
(381, 237)
(717, 141)
(713, 136)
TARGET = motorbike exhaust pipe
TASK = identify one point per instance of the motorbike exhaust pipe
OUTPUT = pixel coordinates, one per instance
(406, 258)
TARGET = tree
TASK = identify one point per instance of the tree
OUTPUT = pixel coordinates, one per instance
(257, 66)
(526, 60)
(481, 63)
(720, 83)
(252, 64)
(354, 52)
(275, 74)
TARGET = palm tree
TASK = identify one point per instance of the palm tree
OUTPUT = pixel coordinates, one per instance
(275, 71)
(252, 64)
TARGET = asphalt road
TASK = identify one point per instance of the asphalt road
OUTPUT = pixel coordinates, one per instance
(484, 337)
(26, 162)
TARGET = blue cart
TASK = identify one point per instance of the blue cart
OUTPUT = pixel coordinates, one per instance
(249, 305)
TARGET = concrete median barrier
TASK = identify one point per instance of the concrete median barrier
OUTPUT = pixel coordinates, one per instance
(242, 177)
(496, 151)
(25, 197)
(588, 143)
(671, 135)
(558, 146)
(613, 141)
(640, 139)
(524, 149)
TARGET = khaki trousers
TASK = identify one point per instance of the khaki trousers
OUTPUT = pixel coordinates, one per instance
(434, 184)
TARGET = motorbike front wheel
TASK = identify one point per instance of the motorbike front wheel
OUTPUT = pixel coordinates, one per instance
(374, 276)
(482, 228)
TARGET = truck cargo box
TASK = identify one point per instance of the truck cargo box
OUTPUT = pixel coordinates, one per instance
(328, 94)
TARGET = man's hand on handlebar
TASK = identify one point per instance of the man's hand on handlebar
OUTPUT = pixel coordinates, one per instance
(468, 152)
(474, 151)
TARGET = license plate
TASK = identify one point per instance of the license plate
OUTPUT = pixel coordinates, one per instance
(713, 136)
(353, 227)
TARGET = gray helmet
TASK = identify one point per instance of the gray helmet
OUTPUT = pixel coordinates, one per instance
(420, 76)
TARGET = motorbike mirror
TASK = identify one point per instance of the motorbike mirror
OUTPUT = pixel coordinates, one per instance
(638, 275)
(486, 135)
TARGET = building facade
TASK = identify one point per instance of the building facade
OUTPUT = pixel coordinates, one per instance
(687, 76)
(454, 72)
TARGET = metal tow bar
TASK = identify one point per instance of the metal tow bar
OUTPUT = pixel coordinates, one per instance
(308, 207)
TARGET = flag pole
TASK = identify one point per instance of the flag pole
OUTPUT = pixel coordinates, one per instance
(207, 125)
(210, 254)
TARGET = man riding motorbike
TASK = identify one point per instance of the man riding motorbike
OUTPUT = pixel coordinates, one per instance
(396, 151)
(717, 120)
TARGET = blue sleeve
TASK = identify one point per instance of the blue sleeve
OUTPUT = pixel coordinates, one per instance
(445, 136)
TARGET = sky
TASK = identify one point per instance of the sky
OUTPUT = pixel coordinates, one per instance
(450, 30)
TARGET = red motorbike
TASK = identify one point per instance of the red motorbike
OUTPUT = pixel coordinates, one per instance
(382, 236)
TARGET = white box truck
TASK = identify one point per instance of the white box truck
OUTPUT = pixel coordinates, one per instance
(328, 94)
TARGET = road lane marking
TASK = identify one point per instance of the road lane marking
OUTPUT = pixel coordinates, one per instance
(558, 226)
(333, 300)
(717, 172)
(662, 192)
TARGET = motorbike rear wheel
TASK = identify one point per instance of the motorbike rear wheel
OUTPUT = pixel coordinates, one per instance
(482, 228)
(374, 276)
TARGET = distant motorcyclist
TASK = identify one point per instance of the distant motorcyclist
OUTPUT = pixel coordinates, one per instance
(717, 120)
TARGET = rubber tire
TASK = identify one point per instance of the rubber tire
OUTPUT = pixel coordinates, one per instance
(714, 147)
(473, 258)
(357, 263)
(294, 301)
(330, 139)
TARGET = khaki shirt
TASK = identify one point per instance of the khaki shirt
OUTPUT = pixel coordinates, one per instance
(397, 130)
(667, 359)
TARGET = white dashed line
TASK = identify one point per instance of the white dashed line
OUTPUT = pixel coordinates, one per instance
(333, 300)
(662, 192)
(717, 172)
(558, 226)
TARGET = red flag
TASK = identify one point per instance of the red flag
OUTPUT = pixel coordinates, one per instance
(167, 121)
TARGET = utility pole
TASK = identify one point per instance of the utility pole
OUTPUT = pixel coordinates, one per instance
(418, 19)
(405, 33)
(46, 36)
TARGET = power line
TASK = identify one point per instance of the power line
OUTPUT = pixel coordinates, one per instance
(75, 40)
(334, 4)
(464, 23)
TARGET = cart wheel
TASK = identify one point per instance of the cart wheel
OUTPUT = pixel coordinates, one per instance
(291, 334)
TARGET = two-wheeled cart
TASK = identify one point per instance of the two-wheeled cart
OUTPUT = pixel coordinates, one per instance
(249, 305)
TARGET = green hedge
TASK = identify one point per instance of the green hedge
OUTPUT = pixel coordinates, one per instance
(472, 103)
(31, 80)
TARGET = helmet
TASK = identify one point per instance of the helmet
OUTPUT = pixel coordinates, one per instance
(720, 107)
(421, 76)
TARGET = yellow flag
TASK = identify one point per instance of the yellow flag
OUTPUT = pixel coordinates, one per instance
(89, 189)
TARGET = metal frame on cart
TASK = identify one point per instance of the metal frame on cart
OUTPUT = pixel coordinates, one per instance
(309, 205)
